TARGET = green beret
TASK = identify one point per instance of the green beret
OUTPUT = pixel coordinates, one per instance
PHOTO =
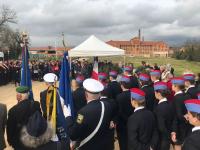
(22, 89)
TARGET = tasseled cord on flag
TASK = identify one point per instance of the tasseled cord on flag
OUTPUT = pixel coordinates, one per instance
(52, 117)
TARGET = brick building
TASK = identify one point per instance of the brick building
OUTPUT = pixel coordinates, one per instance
(138, 47)
(47, 51)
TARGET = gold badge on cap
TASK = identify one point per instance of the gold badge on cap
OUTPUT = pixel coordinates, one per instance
(80, 119)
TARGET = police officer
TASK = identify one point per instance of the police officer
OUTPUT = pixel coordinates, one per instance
(91, 129)
(18, 116)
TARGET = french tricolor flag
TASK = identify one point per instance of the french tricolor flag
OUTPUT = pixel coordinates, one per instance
(95, 69)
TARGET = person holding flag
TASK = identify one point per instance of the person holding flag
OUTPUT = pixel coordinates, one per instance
(52, 108)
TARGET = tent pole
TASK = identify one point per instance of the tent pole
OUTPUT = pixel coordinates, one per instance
(124, 60)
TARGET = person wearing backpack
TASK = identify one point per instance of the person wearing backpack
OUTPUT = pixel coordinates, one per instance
(37, 135)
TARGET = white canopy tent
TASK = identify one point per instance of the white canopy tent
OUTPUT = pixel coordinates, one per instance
(95, 47)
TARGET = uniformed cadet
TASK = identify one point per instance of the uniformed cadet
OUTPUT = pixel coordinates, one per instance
(91, 129)
(124, 111)
(113, 86)
(180, 127)
(164, 115)
(155, 75)
(103, 78)
(191, 89)
(193, 116)
(78, 95)
(113, 104)
(141, 124)
(18, 116)
(147, 87)
(134, 81)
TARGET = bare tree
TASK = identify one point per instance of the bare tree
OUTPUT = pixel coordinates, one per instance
(7, 15)
(9, 39)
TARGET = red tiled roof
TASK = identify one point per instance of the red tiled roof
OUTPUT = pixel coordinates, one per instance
(134, 41)
(119, 42)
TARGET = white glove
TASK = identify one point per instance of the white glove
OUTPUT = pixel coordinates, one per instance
(66, 111)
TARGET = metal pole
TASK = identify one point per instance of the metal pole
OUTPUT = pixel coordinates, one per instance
(124, 60)
(25, 61)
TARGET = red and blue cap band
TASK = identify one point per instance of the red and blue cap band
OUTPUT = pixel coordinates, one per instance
(137, 94)
(113, 73)
(125, 79)
(155, 73)
(80, 79)
(102, 76)
(160, 86)
(193, 105)
(144, 77)
(178, 81)
(189, 76)
(198, 96)
(128, 68)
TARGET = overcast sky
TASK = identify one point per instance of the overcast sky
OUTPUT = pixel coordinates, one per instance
(173, 21)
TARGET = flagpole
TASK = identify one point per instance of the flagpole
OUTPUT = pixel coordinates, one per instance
(24, 46)
(63, 36)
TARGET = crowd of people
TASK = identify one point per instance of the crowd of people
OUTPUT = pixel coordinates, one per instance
(145, 108)
(10, 70)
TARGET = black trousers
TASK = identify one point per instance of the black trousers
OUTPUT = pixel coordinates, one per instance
(122, 138)
(164, 144)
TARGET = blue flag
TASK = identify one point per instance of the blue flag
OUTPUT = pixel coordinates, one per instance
(64, 84)
(25, 72)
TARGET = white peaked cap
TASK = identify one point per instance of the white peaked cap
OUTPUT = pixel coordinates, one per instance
(93, 86)
(50, 77)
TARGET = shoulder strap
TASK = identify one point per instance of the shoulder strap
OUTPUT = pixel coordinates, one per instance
(96, 129)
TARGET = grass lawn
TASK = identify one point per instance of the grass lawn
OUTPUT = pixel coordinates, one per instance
(179, 65)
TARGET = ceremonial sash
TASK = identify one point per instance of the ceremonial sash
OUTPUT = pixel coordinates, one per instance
(96, 129)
